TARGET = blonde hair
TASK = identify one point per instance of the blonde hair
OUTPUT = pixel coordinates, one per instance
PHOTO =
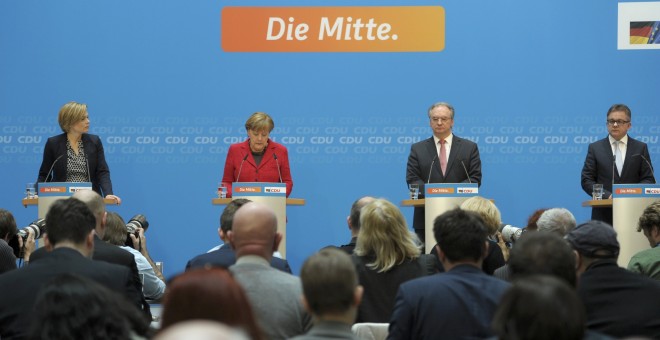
(385, 235)
(70, 114)
(260, 121)
(486, 210)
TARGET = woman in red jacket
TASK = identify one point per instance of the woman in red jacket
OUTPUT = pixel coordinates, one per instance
(258, 159)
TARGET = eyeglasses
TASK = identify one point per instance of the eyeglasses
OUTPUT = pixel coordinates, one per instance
(617, 122)
(441, 119)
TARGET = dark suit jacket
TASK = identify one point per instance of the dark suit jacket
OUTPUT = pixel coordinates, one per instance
(98, 168)
(267, 171)
(18, 288)
(225, 257)
(107, 252)
(618, 302)
(458, 304)
(424, 154)
(599, 165)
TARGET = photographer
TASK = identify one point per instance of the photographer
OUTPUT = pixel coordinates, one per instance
(8, 231)
(115, 233)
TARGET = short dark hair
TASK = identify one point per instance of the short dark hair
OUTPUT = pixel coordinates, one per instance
(7, 224)
(75, 307)
(356, 208)
(620, 108)
(69, 220)
(650, 218)
(227, 217)
(329, 280)
(540, 307)
(461, 235)
(543, 252)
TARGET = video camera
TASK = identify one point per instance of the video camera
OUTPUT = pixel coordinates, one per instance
(132, 226)
(38, 228)
(510, 234)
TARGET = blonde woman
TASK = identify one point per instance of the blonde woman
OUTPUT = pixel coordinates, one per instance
(76, 155)
(387, 254)
(495, 257)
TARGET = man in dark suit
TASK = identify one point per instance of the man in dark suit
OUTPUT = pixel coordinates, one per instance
(353, 221)
(618, 302)
(457, 304)
(224, 256)
(104, 251)
(71, 242)
(615, 159)
(443, 158)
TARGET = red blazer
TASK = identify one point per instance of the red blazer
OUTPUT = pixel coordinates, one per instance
(265, 172)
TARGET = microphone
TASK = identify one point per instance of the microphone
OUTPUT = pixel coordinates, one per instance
(428, 180)
(278, 166)
(89, 175)
(649, 164)
(613, 170)
(466, 172)
(240, 168)
(50, 172)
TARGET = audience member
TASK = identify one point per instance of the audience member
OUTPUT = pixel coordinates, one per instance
(331, 295)
(387, 254)
(273, 294)
(540, 307)
(459, 303)
(75, 307)
(647, 262)
(226, 220)
(8, 230)
(201, 330)
(70, 241)
(533, 219)
(504, 272)
(543, 253)
(556, 220)
(208, 294)
(104, 251)
(495, 258)
(353, 221)
(224, 256)
(153, 281)
(618, 302)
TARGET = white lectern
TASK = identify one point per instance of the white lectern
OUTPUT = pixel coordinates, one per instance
(270, 194)
(50, 192)
(628, 204)
(439, 198)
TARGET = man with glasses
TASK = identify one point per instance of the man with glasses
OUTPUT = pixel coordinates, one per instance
(443, 158)
(615, 159)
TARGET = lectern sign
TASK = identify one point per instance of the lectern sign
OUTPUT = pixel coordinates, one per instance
(441, 197)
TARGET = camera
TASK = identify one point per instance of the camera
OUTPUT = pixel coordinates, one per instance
(38, 228)
(132, 226)
(510, 233)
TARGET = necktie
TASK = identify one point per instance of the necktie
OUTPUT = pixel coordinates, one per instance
(443, 157)
(617, 157)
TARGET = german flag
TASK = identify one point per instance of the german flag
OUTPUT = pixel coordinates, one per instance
(644, 32)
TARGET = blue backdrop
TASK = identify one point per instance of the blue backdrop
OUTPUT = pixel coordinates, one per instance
(531, 83)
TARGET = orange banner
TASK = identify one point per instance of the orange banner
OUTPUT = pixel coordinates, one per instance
(333, 29)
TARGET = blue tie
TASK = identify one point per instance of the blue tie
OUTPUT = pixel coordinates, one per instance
(617, 157)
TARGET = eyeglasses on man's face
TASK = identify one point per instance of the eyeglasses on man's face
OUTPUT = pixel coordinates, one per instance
(613, 122)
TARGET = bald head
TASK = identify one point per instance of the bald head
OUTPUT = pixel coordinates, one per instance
(255, 231)
(96, 205)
